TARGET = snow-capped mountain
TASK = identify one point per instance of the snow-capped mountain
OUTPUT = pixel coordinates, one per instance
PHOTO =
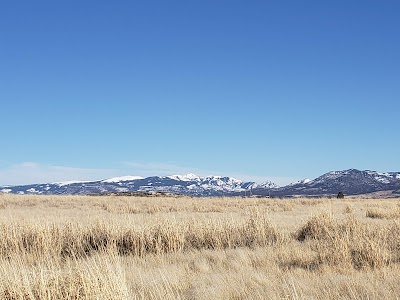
(350, 182)
(189, 184)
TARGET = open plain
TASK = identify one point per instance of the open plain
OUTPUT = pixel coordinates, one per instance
(93, 247)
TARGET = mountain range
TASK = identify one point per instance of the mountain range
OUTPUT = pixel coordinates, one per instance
(350, 182)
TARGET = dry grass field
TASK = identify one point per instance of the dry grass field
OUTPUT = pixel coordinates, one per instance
(86, 247)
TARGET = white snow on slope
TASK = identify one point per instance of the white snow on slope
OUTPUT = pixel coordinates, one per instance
(383, 174)
(383, 180)
(187, 177)
(381, 177)
(304, 181)
(62, 183)
(122, 178)
(219, 180)
(265, 185)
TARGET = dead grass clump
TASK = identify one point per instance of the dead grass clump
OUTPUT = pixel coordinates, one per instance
(153, 209)
(131, 209)
(72, 240)
(262, 201)
(306, 259)
(378, 213)
(207, 208)
(369, 254)
(257, 231)
(286, 206)
(393, 241)
(318, 227)
(350, 244)
(107, 207)
(311, 202)
(90, 278)
(3, 204)
(348, 209)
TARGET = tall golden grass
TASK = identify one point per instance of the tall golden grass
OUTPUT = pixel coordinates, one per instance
(69, 247)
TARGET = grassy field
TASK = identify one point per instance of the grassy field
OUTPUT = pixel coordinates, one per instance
(86, 247)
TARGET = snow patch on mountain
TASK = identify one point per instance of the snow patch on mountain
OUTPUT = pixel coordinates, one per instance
(303, 181)
(383, 180)
(121, 179)
(63, 183)
(264, 185)
(187, 177)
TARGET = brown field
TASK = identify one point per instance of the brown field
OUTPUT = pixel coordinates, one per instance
(85, 247)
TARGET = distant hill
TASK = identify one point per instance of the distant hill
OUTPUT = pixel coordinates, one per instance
(189, 184)
(350, 182)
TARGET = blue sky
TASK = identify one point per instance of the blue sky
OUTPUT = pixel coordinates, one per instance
(278, 90)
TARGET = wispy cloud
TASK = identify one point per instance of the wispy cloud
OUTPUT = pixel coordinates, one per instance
(32, 172)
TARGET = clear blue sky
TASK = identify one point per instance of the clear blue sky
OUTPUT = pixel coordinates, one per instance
(279, 90)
